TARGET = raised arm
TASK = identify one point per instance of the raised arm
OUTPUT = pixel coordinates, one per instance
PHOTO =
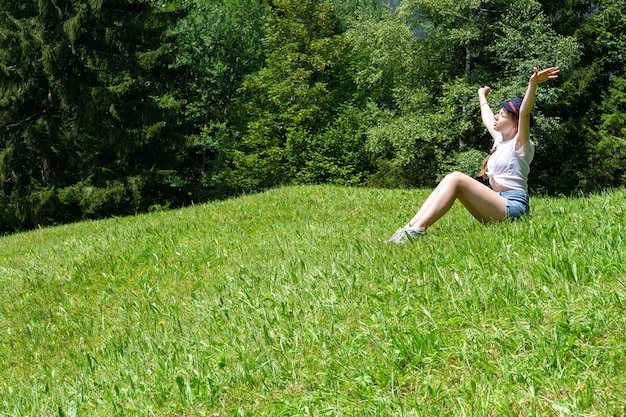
(485, 110)
(538, 77)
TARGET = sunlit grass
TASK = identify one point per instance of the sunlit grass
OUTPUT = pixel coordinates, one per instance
(290, 303)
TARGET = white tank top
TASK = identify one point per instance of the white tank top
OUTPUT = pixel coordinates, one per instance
(509, 167)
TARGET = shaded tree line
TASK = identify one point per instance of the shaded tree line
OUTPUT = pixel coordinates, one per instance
(115, 107)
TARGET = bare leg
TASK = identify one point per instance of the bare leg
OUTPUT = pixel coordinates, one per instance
(481, 201)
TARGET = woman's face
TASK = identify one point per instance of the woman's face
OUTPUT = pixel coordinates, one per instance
(504, 120)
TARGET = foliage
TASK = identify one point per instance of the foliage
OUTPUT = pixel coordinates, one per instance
(406, 150)
(606, 143)
(605, 133)
(338, 155)
(87, 103)
(289, 303)
(297, 91)
(348, 10)
(600, 34)
(216, 45)
(382, 58)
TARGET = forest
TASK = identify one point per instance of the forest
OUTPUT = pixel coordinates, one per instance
(117, 107)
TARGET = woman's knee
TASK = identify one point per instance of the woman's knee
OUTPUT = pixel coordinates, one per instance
(456, 177)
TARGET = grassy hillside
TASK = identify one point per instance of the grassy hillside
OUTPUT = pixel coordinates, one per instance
(290, 303)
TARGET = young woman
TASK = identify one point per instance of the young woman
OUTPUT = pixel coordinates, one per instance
(507, 167)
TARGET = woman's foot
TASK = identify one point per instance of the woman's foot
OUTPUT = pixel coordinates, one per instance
(406, 234)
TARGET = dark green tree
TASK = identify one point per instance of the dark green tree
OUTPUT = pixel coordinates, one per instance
(566, 16)
(217, 44)
(606, 145)
(25, 98)
(600, 31)
(295, 95)
(601, 126)
(90, 127)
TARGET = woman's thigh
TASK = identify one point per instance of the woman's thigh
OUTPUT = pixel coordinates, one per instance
(481, 201)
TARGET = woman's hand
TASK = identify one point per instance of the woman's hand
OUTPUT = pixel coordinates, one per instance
(547, 74)
(484, 91)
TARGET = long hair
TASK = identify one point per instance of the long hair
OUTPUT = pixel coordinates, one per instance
(483, 166)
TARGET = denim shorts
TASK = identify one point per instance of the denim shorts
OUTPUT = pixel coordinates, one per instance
(517, 203)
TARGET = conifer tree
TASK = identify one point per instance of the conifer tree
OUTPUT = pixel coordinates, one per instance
(89, 126)
(217, 44)
(296, 92)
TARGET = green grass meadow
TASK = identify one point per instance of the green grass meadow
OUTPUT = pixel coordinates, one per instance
(290, 303)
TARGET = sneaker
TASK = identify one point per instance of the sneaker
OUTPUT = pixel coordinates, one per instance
(405, 234)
